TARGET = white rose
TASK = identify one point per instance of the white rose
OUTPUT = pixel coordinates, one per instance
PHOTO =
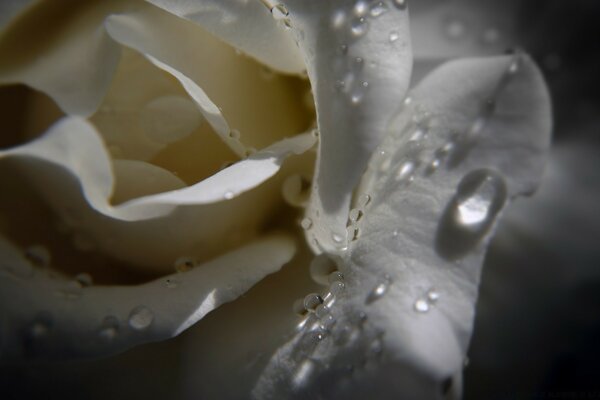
(406, 189)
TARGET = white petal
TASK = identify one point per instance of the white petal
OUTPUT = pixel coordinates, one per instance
(10, 9)
(66, 55)
(404, 319)
(342, 43)
(246, 25)
(54, 318)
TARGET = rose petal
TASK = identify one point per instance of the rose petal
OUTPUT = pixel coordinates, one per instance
(76, 179)
(359, 63)
(404, 320)
(9, 9)
(63, 54)
(263, 110)
(54, 318)
(246, 25)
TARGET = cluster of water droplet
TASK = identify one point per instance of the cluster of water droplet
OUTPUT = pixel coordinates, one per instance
(423, 304)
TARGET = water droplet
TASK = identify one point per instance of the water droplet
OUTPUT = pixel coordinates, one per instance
(338, 239)
(471, 213)
(455, 29)
(338, 19)
(406, 171)
(279, 12)
(360, 8)
(311, 301)
(41, 325)
(321, 311)
(355, 215)
(432, 166)
(359, 92)
(433, 296)
(394, 35)
(168, 119)
(141, 318)
(84, 279)
(336, 287)
(228, 195)
(379, 290)
(38, 255)
(320, 268)
(359, 26)
(109, 328)
(235, 134)
(184, 264)
(400, 4)
(327, 322)
(421, 305)
(306, 223)
(363, 200)
(378, 9)
(171, 283)
(336, 276)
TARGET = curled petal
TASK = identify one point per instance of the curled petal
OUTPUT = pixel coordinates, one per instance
(473, 135)
(246, 25)
(56, 318)
(359, 61)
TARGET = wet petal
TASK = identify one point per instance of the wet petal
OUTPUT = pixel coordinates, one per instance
(79, 58)
(474, 135)
(58, 318)
(359, 61)
(246, 25)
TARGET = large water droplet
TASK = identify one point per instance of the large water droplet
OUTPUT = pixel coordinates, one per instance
(359, 26)
(311, 301)
(141, 318)
(471, 213)
(168, 119)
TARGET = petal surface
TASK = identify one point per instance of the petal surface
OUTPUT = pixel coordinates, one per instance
(473, 135)
(246, 25)
(46, 317)
(359, 60)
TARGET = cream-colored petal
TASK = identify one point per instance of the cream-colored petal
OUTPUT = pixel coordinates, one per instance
(473, 136)
(262, 109)
(11, 9)
(50, 318)
(359, 60)
(71, 169)
(246, 25)
(61, 49)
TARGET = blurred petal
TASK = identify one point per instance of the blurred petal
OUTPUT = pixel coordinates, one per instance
(45, 317)
(63, 51)
(359, 62)
(404, 319)
(10, 9)
(246, 25)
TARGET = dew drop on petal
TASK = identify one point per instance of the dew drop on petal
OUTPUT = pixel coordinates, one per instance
(433, 296)
(359, 26)
(184, 264)
(421, 306)
(394, 36)
(228, 195)
(379, 290)
(235, 134)
(171, 283)
(311, 301)
(400, 4)
(363, 200)
(306, 223)
(140, 318)
(336, 287)
(109, 328)
(378, 9)
(360, 8)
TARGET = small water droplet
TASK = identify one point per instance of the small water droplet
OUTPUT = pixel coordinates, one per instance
(363, 200)
(395, 233)
(432, 166)
(379, 290)
(279, 12)
(184, 264)
(378, 9)
(359, 92)
(327, 322)
(311, 301)
(359, 26)
(171, 283)
(109, 328)
(406, 171)
(400, 4)
(84, 279)
(306, 223)
(321, 311)
(228, 195)
(234, 134)
(336, 287)
(360, 8)
(394, 36)
(337, 238)
(141, 318)
(455, 29)
(433, 296)
(38, 255)
(355, 215)
(421, 305)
